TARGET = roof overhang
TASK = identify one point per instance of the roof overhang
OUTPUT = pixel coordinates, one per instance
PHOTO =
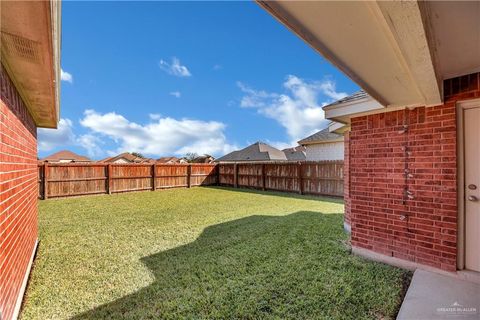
(30, 53)
(322, 141)
(399, 52)
(338, 127)
(342, 112)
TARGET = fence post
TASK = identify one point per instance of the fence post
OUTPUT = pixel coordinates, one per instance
(109, 178)
(45, 180)
(235, 175)
(189, 175)
(217, 168)
(300, 178)
(263, 177)
(154, 177)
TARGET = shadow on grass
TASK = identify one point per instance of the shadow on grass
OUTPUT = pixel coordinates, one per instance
(282, 194)
(294, 266)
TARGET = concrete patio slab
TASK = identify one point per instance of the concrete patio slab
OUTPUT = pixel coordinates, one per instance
(435, 296)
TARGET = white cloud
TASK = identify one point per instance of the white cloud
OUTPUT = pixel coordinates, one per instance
(154, 116)
(255, 98)
(298, 110)
(217, 67)
(161, 136)
(49, 139)
(64, 138)
(174, 68)
(91, 143)
(280, 145)
(65, 76)
(176, 94)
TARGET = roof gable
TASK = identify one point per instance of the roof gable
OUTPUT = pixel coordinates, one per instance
(322, 136)
(258, 151)
(297, 153)
(128, 157)
(65, 155)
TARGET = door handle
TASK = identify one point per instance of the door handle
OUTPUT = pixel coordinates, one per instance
(472, 198)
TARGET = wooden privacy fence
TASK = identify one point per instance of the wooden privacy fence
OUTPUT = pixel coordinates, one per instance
(310, 177)
(75, 179)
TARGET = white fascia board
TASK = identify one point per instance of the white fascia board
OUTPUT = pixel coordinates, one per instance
(56, 29)
(337, 127)
(322, 141)
(346, 110)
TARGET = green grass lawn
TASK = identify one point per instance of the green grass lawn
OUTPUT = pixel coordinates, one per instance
(203, 253)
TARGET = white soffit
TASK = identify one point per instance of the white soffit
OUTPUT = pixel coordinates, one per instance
(342, 112)
(382, 46)
(456, 29)
(30, 52)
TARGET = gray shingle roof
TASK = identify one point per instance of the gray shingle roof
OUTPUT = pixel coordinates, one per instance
(297, 153)
(321, 136)
(258, 151)
(353, 97)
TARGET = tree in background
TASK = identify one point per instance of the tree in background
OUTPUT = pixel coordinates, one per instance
(191, 156)
(138, 155)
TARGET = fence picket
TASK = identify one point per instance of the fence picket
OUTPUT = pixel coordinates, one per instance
(73, 179)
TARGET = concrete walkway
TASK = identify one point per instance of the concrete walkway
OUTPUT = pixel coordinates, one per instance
(436, 296)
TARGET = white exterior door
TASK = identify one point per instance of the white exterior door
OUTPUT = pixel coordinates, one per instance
(472, 188)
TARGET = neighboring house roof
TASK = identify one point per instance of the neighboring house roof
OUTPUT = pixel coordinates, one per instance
(168, 160)
(359, 103)
(258, 151)
(322, 136)
(297, 153)
(359, 95)
(65, 155)
(127, 157)
(206, 158)
(104, 159)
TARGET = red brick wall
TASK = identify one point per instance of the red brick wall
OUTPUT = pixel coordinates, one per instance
(18, 193)
(346, 179)
(411, 214)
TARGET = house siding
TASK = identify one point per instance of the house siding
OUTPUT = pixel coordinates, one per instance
(18, 194)
(325, 151)
(403, 180)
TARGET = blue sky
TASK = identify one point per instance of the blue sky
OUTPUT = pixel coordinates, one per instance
(166, 78)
